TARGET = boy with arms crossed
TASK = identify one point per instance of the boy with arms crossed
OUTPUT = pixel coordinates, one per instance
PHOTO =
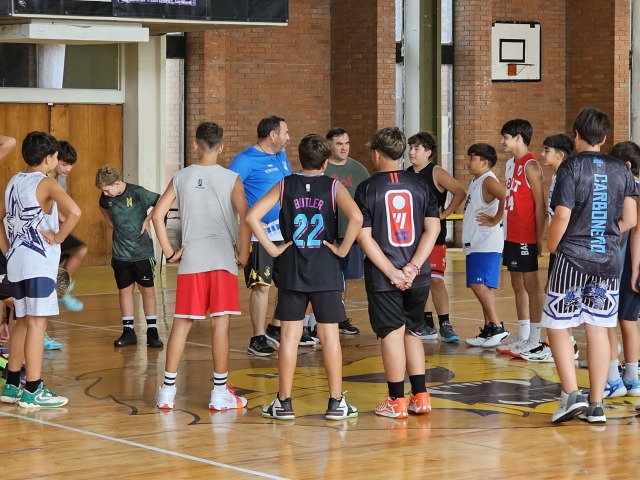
(31, 203)
(400, 225)
(125, 207)
(210, 199)
(482, 240)
(307, 269)
(593, 202)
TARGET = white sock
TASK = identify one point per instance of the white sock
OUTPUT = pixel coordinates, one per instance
(534, 332)
(220, 382)
(614, 374)
(631, 372)
(305, 322)
(523, 328)
(312, 321)
(170, 378)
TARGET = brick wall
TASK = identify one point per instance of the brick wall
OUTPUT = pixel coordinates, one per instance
(325, 69)
(580, 66)
(598, 45)
(363, 70)
(237, 76)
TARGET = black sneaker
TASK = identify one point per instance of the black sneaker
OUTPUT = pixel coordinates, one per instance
(279, 409)
(347, 328)
(425, 332)
(306, 340)
(273, 335)
(479, 339)
(339, 409)
(128, 337)
(314, 334)
(153, 339)
(448, 334)
(497, 333)
(259, 347)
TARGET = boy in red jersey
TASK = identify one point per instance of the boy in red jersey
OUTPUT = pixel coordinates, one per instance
(524, 219)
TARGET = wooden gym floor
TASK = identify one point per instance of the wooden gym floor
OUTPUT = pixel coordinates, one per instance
(491, 416)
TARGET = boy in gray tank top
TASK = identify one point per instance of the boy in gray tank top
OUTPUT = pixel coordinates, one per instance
(210, 200)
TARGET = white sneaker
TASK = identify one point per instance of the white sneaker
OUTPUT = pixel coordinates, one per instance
(524, 347)
(542, 353)
(227, 400)
(516, 343)
(166, 397)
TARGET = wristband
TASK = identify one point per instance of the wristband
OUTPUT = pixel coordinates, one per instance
(414, 268)
(172, 255)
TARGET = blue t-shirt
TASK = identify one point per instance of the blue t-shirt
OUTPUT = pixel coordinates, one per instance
(593, 186)
(259, 171)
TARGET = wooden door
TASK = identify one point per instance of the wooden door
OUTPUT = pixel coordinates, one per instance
(96, 133)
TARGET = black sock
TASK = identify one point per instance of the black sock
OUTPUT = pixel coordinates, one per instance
(443, 318)
(418, 383)
(396, 389)
(31, 387)
(13, 378)
(428, 319)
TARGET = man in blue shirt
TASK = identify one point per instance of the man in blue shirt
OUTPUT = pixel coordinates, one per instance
(260, 167)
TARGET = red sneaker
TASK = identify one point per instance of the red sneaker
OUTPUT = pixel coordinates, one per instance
(420, 403)
(393, 408)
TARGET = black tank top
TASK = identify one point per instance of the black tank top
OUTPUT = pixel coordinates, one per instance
(308, 215)
(441, 197)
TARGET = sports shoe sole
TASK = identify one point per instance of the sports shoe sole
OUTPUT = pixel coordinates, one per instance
(272, 340)
(348, 332)
(11, 400)
(455, 338)
(340, 416)
(495, 340)
(392, 414)
(251, 351)
(575, 411)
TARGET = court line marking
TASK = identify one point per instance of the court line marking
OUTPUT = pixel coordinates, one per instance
(143, 446)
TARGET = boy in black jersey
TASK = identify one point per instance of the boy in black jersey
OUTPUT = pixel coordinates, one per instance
(307, 269)
(400, 225)
(593, 202)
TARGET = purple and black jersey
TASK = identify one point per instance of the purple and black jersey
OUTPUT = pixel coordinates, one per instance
(394, 205)
(593, 185)
(308, 215)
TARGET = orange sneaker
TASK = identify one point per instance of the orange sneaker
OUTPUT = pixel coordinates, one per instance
(393, 408)
(420, 403)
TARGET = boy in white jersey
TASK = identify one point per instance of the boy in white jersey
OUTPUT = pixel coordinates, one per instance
(482, 240)
(30, 204)
(210, 199)
(555, 149)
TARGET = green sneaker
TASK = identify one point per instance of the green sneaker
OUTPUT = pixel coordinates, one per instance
(41, 398)
(11, 394)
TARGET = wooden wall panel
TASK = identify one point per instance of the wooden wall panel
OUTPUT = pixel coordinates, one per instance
(16, 121)
(96, 133)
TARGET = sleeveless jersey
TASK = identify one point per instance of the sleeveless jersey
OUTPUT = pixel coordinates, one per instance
(441, 197)
(209, 218)
(29, 255)
(519, 207)
(476, 237)
(308, 215)
(394, 205)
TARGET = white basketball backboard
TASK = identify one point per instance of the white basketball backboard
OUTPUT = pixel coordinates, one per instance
(515, 52)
